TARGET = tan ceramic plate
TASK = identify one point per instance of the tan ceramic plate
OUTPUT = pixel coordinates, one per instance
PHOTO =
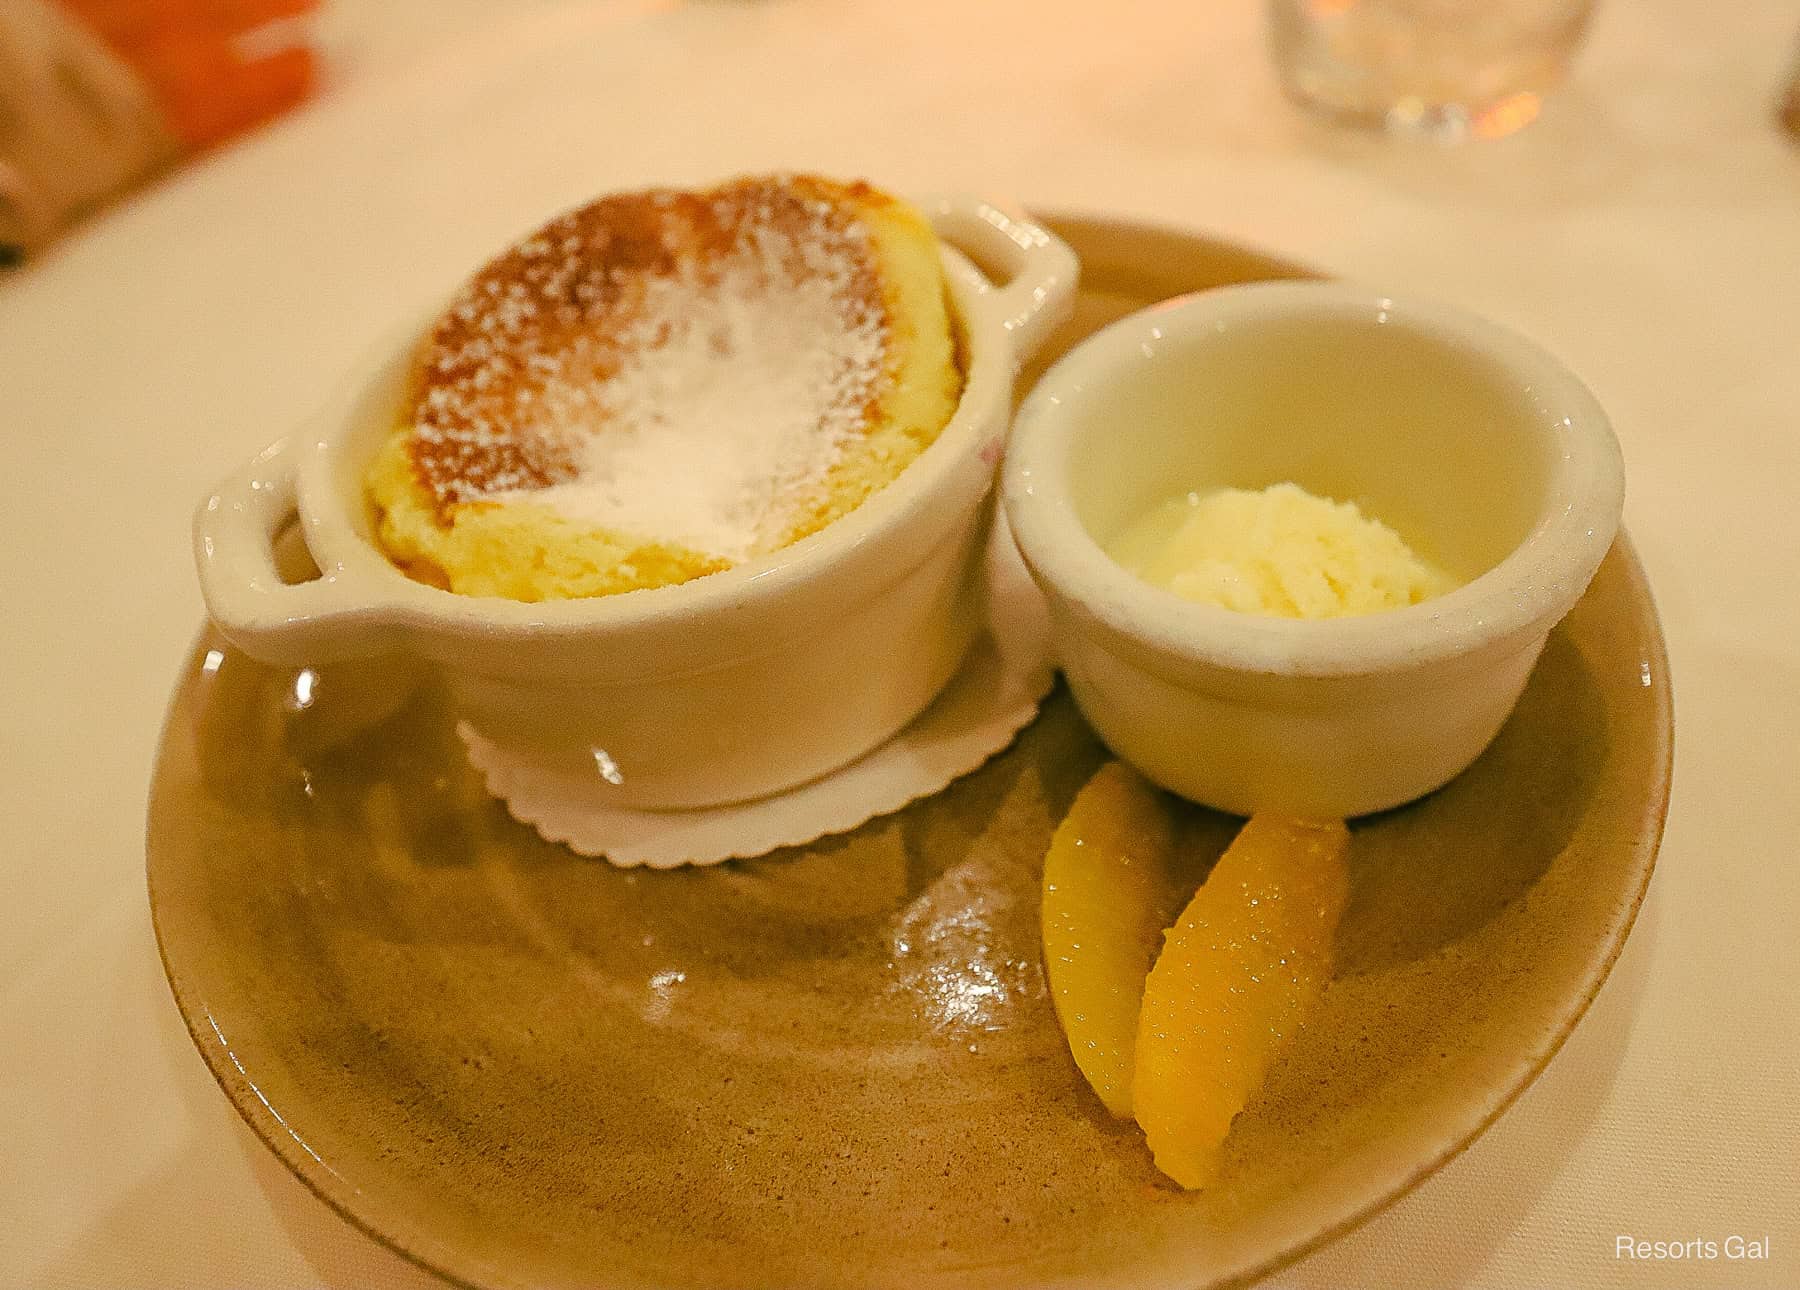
(837, 1066)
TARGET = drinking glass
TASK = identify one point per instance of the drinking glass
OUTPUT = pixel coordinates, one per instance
(1446, 68)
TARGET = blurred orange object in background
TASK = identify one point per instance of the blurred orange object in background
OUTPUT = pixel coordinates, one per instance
(209, 82)
(99, 95)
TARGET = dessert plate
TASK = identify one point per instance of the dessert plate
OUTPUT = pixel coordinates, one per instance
(836, 1066)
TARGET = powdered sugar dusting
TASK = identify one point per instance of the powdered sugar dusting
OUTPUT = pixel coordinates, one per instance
(666, 366)
(734, 393)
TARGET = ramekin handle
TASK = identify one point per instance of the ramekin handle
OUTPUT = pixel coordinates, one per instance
(1037, 269)
(277, 622)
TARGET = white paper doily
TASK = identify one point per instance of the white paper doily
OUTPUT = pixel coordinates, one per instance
(991, 698)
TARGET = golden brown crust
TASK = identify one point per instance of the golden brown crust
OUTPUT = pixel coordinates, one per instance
(566, 295)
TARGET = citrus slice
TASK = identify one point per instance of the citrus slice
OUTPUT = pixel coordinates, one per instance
(1239, 971)
(1104, 909)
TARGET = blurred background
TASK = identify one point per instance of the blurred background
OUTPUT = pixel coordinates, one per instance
(98, 96)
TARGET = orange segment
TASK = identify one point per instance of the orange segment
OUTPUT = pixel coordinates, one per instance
(1103, 915)
(1238, 973)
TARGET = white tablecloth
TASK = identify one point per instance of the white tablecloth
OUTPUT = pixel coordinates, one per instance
(1647, 229)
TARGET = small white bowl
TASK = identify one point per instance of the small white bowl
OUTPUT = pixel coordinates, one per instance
(1477, 446)
(727, 688)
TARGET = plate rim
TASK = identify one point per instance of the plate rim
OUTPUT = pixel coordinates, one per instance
(439, 1259)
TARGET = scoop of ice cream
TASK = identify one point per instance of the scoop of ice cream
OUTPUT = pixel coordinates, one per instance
(1279, 551)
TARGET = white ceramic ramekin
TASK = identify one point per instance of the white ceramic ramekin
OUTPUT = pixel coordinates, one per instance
(1480, 448)
(725, 688)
